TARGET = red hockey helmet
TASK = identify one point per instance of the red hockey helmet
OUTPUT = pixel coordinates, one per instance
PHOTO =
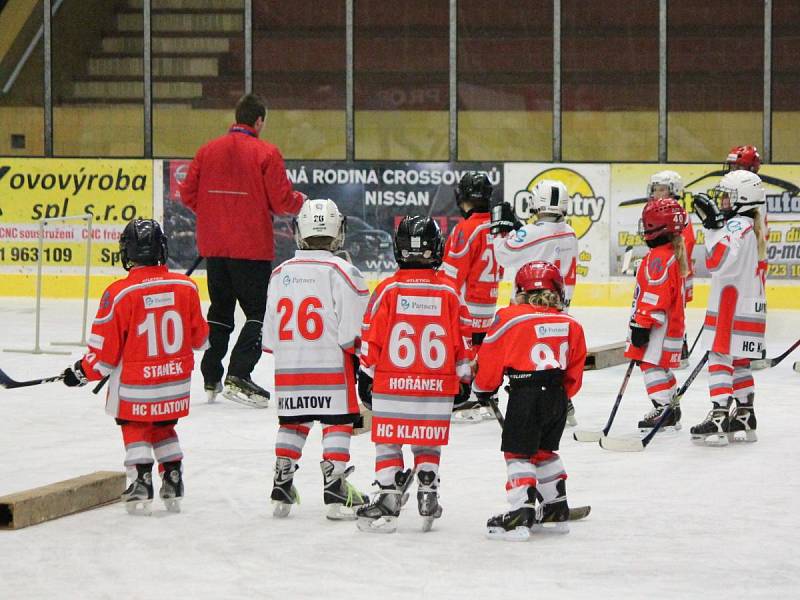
(744, 158)
(661, 216)
(539, 275)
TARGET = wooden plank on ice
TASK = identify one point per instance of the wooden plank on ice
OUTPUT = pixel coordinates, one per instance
(59, 499)
(608, 355)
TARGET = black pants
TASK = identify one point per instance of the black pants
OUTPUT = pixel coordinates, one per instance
(232, 280)
(535, 418)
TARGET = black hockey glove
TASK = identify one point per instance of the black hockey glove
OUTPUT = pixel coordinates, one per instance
(365, 389)
(708, 211)
(503, 218)
(74, 376)
(640, 336)
(462, 398)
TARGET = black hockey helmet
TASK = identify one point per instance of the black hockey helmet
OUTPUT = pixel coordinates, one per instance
(476, 188)
(142, 242)
(418, 241)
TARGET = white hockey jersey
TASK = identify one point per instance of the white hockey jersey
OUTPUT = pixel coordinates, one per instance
(555, 243)
(312, 326)
(736, 319)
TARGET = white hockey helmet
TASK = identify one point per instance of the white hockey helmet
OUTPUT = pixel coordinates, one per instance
(743, 190)
(672, 180)
(550, 196)
(319, 218)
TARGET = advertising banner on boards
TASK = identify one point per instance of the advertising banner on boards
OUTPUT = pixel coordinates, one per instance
(782, 184)
(373, 196)
(31, 189)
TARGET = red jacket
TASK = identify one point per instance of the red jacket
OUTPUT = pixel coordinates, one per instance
(234, 186)
(143, 338)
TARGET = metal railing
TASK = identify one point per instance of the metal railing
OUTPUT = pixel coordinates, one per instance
(50, 7)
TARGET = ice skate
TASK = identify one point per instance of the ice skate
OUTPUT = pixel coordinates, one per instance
(171, 491)
(212, 389)
(742, 423)
(673, 422)
(138, 497)
(380, 515)
(245, 391)
(428, 499)
(513, 526)
(470, 413)
(714, 430)
(340, 496)
(571, 420)
(284, 494)
(554, 513)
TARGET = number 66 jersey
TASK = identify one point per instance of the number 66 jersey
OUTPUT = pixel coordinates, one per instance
(413, 345)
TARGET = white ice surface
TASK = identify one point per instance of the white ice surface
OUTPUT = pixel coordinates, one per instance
(676, 521)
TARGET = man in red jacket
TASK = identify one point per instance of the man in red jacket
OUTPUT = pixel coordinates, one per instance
(235, 184)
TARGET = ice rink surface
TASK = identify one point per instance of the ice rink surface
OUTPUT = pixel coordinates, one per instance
(675, 521)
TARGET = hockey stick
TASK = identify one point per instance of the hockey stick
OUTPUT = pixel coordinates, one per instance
(496, 410)
(637, 444)
(768, 363)
(189, 271)
(9, 384)
(697, 339)
(596, 436)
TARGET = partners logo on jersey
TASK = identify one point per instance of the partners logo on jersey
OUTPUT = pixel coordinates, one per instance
(552, 330)
(286, 280)
(585, 207)
(419, 305)
(159, 300)
(733, 226)
(650, 298)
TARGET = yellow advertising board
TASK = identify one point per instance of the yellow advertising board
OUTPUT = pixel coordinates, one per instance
(54, 194)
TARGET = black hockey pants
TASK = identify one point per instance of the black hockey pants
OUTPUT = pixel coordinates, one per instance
(231, 280)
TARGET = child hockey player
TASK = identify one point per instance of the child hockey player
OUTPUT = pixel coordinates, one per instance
(143, 336)
(315, 304)
(413, 355)
(542, 350)
(669, 184)
(549, 239)
(657, 323)
(469, 258)
(469, 261)
(736, 318)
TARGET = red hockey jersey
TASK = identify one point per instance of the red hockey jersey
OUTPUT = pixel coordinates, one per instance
(412, 343)
(532, 338)
(658, 305)
(143, 338)
(470, 262)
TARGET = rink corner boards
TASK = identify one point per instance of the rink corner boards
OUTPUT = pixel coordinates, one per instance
(49, 502)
